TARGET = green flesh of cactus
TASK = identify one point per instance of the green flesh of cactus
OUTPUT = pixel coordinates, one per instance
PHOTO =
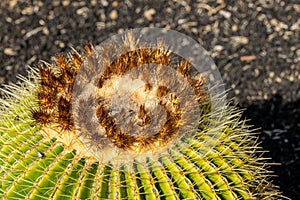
(222, 162)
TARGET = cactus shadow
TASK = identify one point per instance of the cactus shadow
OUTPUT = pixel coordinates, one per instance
(279, 127)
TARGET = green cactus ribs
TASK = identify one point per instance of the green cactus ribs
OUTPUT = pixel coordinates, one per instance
(132, 135)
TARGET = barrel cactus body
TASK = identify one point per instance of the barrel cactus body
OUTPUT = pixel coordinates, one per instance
(52, 147)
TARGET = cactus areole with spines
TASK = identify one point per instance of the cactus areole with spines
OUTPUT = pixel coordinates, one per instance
(143, 115)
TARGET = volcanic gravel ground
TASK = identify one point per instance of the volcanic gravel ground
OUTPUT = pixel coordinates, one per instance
(255, 44)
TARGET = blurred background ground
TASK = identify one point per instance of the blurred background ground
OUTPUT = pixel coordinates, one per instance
(255, 44)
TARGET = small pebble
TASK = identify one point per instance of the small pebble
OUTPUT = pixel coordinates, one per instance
(181, 21)
(104, 3)
(28, 11)
(9, 52)
(2, 79)
(93, 2)
(82, 11)
(240, 39)
(271, 74)
(247, 58)
(42, 22)
(148, 14)
(12, 3)
(298, 52)
(60, 43)
(65, 2)
(9, 19)
(8, 68)
(115, 4)
(33, 32)
(45, 31)
(138, 10)
(218, 48)
(113, 14)
(55, 3)
(234, 28)
(225, 14)
(278, 80)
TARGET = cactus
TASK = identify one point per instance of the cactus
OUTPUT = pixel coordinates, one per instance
(50, 147)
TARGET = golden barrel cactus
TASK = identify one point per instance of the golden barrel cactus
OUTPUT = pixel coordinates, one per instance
(128, 119)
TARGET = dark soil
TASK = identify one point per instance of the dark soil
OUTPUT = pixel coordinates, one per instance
(255, 44)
